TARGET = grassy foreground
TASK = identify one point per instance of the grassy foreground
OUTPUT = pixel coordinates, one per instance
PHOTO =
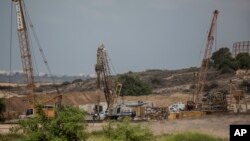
(186, 136)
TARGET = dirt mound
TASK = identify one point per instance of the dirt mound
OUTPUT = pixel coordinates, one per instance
(20, 104)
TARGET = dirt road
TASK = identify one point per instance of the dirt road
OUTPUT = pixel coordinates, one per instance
(215, 125)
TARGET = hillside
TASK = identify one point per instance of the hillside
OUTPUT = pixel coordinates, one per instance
(164, 81)
(169, 86)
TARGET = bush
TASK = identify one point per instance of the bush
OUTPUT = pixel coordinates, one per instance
(11, 137)
(2, 109)
(68, 125)
(125, 131)
(243, 60)
(133, 86)
(223, 61)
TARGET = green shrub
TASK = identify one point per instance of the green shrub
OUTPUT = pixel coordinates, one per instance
(243, 60)
(133, 86)
(11, 137)
(68, 125)
(125, 131)
(223, 61)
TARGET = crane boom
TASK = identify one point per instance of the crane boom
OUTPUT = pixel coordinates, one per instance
(205, 62)
(24, 44)
(104, 75)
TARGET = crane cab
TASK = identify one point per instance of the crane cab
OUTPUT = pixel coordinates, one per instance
(49, 111)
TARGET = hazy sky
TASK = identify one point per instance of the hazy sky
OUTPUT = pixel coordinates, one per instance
(138, 34)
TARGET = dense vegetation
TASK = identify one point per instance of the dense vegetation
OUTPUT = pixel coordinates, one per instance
(225, 63)
(71, 128)
(132, 85)
(63, 127)
(125, 131)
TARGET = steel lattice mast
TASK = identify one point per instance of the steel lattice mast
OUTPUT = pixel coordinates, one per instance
(205, 61)
(104, 75)
(24, 44)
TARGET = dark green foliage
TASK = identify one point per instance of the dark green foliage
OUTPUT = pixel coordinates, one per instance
(11, 137)
(68, 125)
(133, 86)
(125, 131)
(243, 60)
(223, 61)
(2, 109)
(245, 85)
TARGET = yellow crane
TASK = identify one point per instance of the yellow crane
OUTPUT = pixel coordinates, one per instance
(27, 65)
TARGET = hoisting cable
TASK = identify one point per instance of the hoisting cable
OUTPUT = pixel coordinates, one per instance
(40, 48)
(32, 48)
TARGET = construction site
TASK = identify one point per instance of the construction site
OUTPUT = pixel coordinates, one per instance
(200, 99)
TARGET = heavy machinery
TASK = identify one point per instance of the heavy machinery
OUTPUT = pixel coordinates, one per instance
(110, 88)
(202, 75)
(26, 58)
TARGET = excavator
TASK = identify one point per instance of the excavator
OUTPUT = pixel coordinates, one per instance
(115, 110)
(24, 44)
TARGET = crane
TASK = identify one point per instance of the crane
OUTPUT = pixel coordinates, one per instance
(26, 58)
(24, 46)
(111, 89)
(104, 76)
(202, 75)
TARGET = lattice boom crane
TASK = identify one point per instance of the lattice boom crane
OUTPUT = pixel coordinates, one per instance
(24, 44)
(104, 75)
(205, 62)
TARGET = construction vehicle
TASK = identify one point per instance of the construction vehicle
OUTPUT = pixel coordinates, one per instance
(202, 75)
(26, 57)
(111, 89)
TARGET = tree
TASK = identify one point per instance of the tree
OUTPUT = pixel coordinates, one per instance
(223, 60)
(243, 60)
(68, 125)
(133, 86)
(2, 109)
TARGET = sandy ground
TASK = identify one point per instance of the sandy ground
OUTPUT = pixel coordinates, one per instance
(215, 125)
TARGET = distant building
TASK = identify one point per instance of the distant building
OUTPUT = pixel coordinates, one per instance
(241, 47)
